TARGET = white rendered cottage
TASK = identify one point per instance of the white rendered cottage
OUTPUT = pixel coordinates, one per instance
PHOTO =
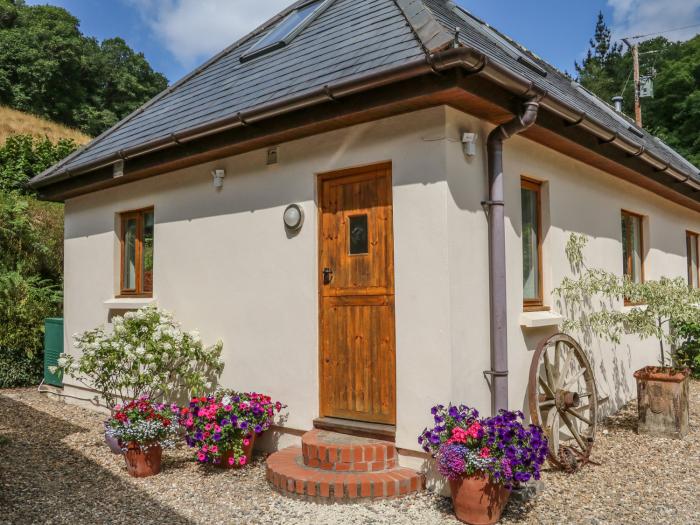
(401, 279)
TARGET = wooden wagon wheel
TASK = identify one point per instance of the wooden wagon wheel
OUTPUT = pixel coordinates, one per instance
(563, 399)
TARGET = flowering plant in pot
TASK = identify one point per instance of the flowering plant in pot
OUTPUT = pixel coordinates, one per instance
(483, 458)
(146, 353)
(142, 429)
(222, 427)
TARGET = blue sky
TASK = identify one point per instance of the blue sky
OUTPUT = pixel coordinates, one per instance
(177, 35)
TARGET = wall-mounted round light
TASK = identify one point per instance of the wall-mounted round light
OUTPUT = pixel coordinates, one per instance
(293, 217)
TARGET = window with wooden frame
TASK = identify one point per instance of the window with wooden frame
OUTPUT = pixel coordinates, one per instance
(531, 207)
(632, 246)
(136, 240)
(691, 242)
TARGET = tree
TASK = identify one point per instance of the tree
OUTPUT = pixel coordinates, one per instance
(673, 113)
(600, 70)
(49, 68)
(658, 305)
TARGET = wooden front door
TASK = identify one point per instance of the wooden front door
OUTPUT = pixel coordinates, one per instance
(356, 283)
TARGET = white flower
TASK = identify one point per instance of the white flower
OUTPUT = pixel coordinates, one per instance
(226, 400)
(140, 350)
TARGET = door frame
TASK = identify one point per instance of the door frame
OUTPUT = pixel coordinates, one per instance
(322, 177)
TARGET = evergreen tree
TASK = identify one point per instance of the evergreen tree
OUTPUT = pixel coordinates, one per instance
(600, 70)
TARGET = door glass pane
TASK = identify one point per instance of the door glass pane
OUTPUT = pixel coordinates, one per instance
(147, 283)
(129, 263)
(530, 238)
(359, 238)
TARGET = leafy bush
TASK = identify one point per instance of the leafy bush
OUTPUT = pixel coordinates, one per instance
(145, 355)
(688, 353)
(23, 156)
(24, 304)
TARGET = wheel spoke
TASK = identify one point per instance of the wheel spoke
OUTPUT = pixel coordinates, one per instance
(557, 360)
(567, 364)
(574, 432)
(579, 416)
(547, 404)
(575, 378)
(548, 391)
(548, 371)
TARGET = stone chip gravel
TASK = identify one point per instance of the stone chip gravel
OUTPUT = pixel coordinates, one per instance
(57, 469)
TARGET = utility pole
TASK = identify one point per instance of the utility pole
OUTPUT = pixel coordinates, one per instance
(637, 102)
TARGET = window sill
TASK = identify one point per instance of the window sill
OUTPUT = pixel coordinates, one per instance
(128, 303)
(629, 306)
(537, 319)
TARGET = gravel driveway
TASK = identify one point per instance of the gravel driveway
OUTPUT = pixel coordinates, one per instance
(56, 469)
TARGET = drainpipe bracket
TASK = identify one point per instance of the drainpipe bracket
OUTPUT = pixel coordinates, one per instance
(499, 373)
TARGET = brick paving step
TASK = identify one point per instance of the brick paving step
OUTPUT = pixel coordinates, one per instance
(345, 453)
(289, 475)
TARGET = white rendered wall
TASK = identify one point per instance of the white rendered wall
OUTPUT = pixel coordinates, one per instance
(226, 267)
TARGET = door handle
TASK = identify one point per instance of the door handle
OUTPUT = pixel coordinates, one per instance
(327, 275)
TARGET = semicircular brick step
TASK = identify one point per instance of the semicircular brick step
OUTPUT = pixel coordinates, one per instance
(337, 467)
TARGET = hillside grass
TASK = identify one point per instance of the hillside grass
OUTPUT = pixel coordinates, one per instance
(13, 121)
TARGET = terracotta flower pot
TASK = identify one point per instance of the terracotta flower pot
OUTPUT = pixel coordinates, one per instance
(662, 401)
(141, 464)
(247, 451)
(112, 442)
(477, 500)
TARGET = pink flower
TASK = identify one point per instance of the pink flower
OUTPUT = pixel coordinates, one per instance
(228, 408)
(242, 460)
(207, 426)
(242, 406)
(201, 456)
(246, 442)
(231, 460)
(459, 435)
(189, 422)
(473, 430)
(205, 448)
(485, 452)
(214, 449)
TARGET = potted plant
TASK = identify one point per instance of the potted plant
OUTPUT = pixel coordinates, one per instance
(146, 353)
(483, 459)
(655, 308)
(222, 427)
(142, 429)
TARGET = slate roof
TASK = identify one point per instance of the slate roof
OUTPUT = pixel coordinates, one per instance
(350, 38)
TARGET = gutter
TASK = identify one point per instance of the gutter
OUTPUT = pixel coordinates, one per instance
(467, 59)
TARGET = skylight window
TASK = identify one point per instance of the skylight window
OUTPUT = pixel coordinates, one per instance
(285, 31)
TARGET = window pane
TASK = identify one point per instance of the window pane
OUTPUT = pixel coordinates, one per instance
(632, 247)
(692, 260)
(129, 263)
(147, 278)
(359, 238)
(285, 27)
(531, 265)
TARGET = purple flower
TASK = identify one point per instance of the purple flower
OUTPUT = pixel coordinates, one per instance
(258, 429)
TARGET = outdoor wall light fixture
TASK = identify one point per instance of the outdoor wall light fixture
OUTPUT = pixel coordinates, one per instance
(293, 217)
(218, 176)
(469, 142)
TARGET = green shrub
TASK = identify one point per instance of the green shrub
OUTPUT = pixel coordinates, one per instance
(24, 304)
(688, 353)
(23, 156)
